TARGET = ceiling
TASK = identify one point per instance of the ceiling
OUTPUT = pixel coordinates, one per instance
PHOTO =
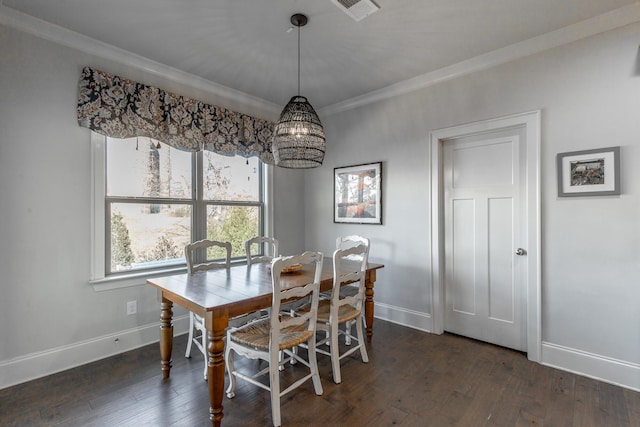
(246, 45)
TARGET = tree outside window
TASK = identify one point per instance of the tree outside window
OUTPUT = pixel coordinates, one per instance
(154, 207)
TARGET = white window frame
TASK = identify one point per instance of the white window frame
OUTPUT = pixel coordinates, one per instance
(98, 278)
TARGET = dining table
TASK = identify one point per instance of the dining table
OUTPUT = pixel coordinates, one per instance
(220, 294)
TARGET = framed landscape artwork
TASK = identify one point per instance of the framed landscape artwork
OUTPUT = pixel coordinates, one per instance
(357, 196)
(589, 172)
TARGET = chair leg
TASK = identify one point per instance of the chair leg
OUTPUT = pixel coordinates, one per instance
(313, 363)
(204, 352)
(347, 330)
(335, 353)
(274, 388)
(188, 352)
(281, 357)
(361, 341)
(228, 360)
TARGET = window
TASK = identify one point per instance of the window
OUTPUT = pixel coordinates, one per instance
(155, 199)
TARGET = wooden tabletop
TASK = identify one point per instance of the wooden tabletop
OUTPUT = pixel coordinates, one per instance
(239, 289)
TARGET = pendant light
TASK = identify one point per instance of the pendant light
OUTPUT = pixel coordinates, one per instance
(298, 140)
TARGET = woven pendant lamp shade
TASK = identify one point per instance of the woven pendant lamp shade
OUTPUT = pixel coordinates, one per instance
(299, 140)
(298, 137)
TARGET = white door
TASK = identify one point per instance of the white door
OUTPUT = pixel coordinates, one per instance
(484, 220)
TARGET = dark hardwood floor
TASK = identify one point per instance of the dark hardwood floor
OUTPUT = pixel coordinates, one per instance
(412, 379)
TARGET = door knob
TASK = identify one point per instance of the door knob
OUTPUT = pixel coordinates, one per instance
(520, 252)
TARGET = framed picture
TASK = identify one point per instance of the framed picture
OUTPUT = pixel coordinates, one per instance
(357, 196)
(589, 172)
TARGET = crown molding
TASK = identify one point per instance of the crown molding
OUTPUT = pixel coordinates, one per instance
(609, 21)
(615, 19)
(60, 35)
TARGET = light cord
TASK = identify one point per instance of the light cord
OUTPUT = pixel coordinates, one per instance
(298, 59)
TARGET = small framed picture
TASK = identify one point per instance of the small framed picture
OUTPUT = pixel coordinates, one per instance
(589, 172)
(357, 196)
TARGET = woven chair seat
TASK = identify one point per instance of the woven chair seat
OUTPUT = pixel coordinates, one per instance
(256, 335)
(345, 313)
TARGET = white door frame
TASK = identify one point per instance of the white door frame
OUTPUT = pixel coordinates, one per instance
(531, 123)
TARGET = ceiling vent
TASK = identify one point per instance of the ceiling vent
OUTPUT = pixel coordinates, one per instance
(356, 9)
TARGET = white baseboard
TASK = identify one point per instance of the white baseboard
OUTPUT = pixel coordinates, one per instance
(618, 372)
(37, 365)
(404, 317)
(602, 368)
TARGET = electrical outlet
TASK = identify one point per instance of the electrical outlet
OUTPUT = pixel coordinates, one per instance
(132, 307)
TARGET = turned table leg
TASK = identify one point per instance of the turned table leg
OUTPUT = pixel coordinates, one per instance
(166, 336)
(215, 366)
(370, 279)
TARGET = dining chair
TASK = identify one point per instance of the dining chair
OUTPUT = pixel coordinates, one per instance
(349, 266)
(264, 257)
(261, 242)
(266, 338)
(214, 254)
(345, 242)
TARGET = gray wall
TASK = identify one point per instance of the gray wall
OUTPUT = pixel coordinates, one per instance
(52, 318)
(588, 93)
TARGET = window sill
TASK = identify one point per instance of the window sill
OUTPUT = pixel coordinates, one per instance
(137, 279)
(133, 279)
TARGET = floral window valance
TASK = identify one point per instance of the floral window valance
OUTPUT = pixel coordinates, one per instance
(121, 108)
